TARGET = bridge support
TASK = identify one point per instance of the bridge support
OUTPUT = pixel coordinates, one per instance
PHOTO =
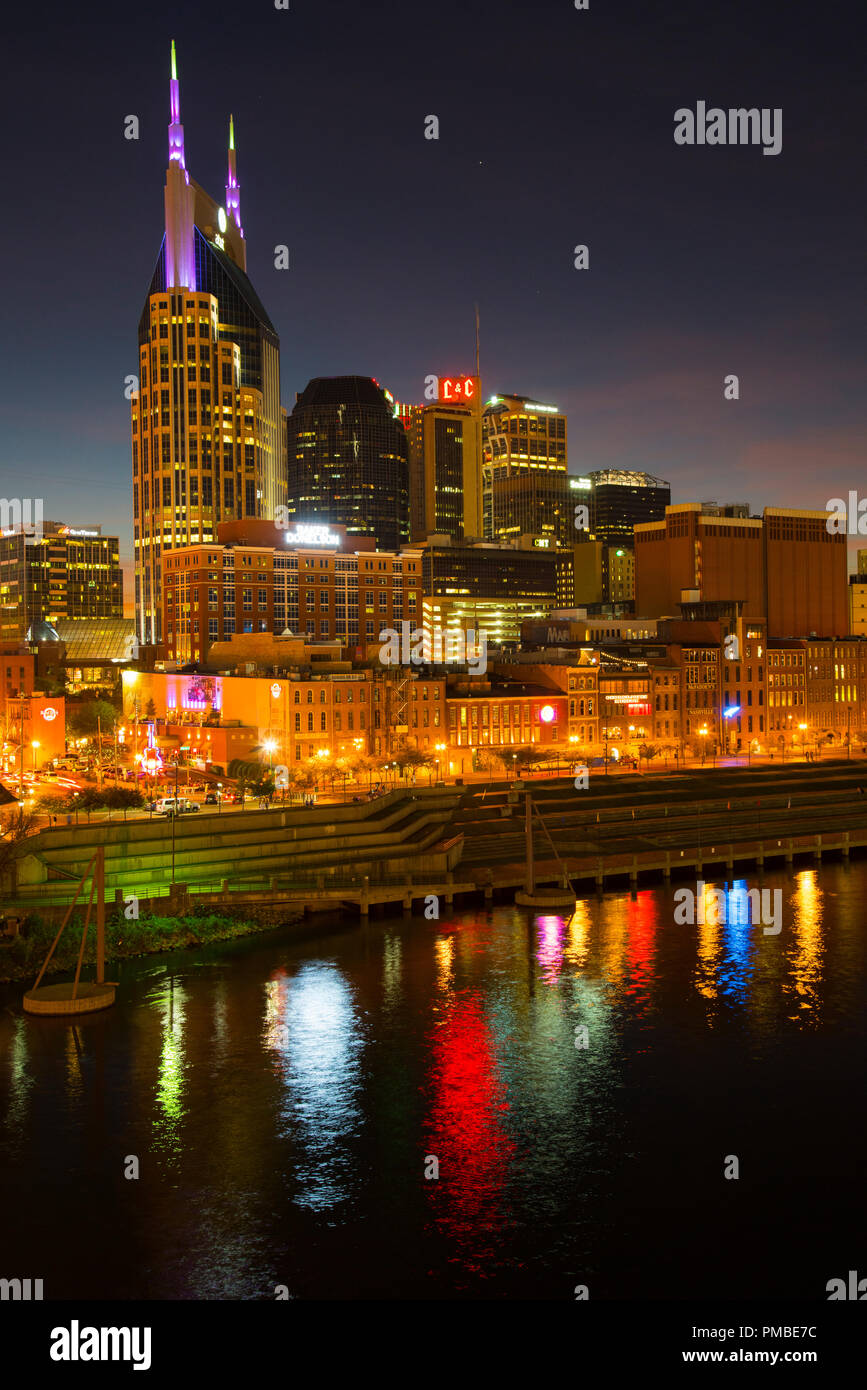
(364, 900)
(600, 875)
(789, 854)
(666, 873)
(817, 852)
(845, 846)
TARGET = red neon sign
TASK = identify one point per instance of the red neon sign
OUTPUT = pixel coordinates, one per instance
(459, 388)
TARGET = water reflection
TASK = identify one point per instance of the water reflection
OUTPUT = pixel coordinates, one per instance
(291, 1092)
(170, 1005)
(312, 1024)
(464, 1130)
(807, 948)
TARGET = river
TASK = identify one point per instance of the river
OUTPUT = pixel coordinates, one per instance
(288, 1099)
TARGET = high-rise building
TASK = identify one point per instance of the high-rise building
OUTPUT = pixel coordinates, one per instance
(56, 572)
(785, 566)
(524, 482)
(207, 426)
(348, 460)
(445, 471)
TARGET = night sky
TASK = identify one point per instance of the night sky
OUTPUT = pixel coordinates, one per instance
(556, 128)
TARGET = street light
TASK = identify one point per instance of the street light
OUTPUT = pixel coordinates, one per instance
(439, 749)
(269, 746)
(34, 745)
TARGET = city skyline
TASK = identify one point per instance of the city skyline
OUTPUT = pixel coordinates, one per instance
(634, 351)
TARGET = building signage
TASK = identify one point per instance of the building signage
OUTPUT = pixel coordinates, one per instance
(275, 690)
(312, 535)
(636, 704)
(459, 388)
(49, 713)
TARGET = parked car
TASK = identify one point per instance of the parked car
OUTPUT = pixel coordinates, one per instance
(212, 799)
(173, 805)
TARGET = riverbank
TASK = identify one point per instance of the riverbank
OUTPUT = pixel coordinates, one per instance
(21, 959)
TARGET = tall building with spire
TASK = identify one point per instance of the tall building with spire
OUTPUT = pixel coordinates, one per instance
(208, 436)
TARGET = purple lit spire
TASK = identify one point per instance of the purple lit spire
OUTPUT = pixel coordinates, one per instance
(176, 130)
(233, 189)
(179, 199)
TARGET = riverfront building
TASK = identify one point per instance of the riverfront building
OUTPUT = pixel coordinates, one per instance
(207, 425)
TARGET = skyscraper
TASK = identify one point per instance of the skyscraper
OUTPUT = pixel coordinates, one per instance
(445, 471)
(525, 487)
(348, 460)
(207, 430)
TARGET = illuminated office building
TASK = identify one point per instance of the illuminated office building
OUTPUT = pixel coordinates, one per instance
(445, 471)
(525, 490)
(207, 425)
(348, 459)
(60, 572)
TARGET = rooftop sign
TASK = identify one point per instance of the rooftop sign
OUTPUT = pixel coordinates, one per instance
(312, 535)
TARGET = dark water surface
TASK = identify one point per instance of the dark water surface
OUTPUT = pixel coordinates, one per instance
(282, 1094)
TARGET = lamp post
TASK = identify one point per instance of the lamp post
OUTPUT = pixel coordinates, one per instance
(34, 745)
(439, 749)
(848, 733)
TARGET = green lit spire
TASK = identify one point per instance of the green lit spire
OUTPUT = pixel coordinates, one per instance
(174, 63)
(231, 133)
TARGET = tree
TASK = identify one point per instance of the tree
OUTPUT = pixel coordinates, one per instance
(15, 825)
(649, 751)
(523, 759)
(85, 719)
(412, 760)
